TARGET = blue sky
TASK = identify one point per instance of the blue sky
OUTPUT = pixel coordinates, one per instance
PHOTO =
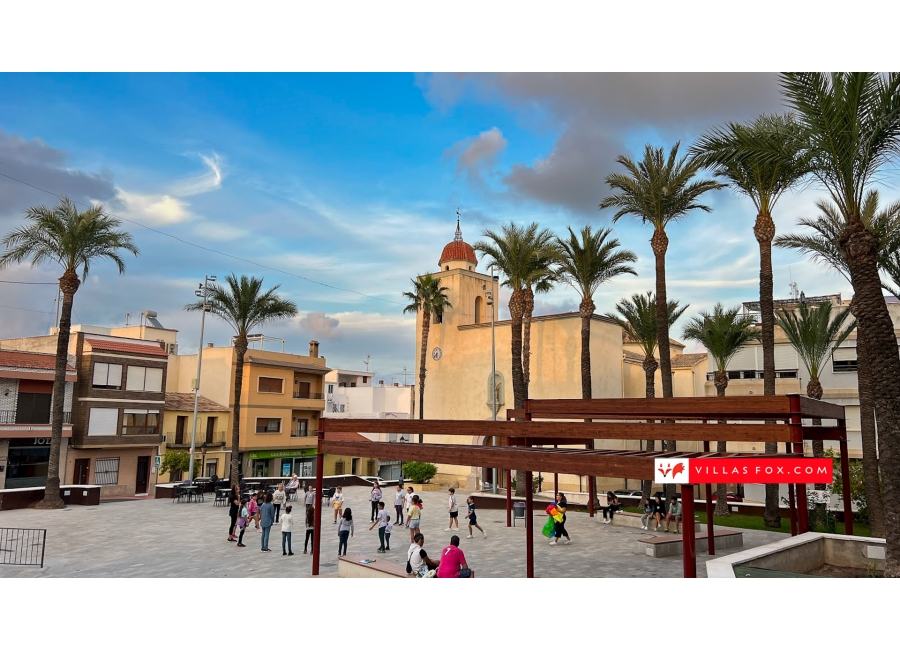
(354, 180)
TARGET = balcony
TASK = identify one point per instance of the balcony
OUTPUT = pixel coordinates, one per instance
(204, 440)
(299, 394)
(753, 374)
(9, 417)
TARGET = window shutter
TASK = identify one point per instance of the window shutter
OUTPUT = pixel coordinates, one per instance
(115, 375)
(786, 358)
(745, 359)
(103, 422)
(101, 371)
(844, 354)
(154, 380)
(135, 378)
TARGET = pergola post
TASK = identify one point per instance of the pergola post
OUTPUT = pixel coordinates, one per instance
(845, 486)
(793, 509)
(555, 478)
(802, 508)
(529, 527)
(317, 530)
(592, 491)
(688, 538)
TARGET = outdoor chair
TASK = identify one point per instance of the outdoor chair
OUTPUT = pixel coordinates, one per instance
(221, 498)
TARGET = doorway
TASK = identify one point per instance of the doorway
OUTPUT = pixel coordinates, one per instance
(210, 430)
(180, 425)
(82, 474)
(142, 479)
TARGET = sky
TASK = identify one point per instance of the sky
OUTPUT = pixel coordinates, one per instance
(340, 188)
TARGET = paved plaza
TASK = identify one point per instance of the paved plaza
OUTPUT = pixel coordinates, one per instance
(155, 538)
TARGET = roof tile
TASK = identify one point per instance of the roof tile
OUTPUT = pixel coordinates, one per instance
(31, 360)
(123, 346)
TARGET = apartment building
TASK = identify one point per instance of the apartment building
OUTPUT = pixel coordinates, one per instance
(213, 438)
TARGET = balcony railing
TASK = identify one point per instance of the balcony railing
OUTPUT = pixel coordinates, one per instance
(304, 395)
(9, 417)
(299, 433)
(753, 374)
(140, 430)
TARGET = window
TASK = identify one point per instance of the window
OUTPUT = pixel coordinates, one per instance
(140, 422)
(342, 408)
(301, 389)
(107, 375)
(301, 429)
(144, 379)
(365, 380)
(352, 384)
(212, 467)
(106, 471)
(339, 467)
(330, 389)
(103, 422)
(843, 366)
(843, 360)
(479, 302)
(271, 385)
(439, 317)
(268, 425)
(33, 408)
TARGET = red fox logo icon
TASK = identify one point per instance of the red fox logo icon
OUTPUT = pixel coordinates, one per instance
(678, 469)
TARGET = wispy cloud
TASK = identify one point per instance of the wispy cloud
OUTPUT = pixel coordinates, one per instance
(208, 181)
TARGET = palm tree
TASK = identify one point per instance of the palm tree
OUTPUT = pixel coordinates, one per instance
(850, 129)
(728, 152)
(427, 297)
(518, 252)
(722, 333)
(74, 240)
(813, 333)
(658, 190)
(637, 318)
(587, 262)
(540, 279)
(243, 304)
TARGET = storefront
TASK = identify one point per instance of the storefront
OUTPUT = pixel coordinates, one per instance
(282, 462)
(27, 462)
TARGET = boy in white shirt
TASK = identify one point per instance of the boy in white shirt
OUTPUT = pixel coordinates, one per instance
(454, 511)
(287, 521)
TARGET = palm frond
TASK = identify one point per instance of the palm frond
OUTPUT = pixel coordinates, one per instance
(814, 332)
(637, 318)
(592, 259)
(244, 305)
(723, 332)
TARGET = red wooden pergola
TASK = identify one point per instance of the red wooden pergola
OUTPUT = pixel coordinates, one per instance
(525, 438)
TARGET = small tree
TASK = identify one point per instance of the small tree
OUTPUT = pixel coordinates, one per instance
(418, 472)
(175, 460)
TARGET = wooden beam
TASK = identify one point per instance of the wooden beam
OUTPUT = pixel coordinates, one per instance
(735, 408)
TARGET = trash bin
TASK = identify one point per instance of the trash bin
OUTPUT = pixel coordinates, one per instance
(518, 511)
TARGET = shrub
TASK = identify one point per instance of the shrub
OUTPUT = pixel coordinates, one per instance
(175, 460)
(419, 472)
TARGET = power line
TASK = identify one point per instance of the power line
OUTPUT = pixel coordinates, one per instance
(204, 248)
(17, 282)
(23, 309)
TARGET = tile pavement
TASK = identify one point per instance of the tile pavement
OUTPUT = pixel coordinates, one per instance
(161, 539)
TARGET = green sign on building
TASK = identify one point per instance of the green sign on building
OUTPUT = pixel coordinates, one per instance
(281, 453)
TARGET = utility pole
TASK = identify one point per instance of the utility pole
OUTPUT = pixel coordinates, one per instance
(404, 375)
(202, 294)
(493, 375)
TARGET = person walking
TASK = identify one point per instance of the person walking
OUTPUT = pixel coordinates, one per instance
(374, 498)
(337, 503)
(345, 531)
(413, 517)
(647, 517)
(310, 528)
(398, 504)
(278, 500)
(253, 510)
(473, 519)
(287, 522)
(453, 562)
(387, 534)
(234, 502)
(266, 519)
(381, 522)
(612, 504)
(674, 514)
(242, 523)
(407, 501)
(454, 511)
(559, 527)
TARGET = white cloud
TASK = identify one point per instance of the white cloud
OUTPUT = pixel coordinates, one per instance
(209, 181)
(317, 324)
(153, 209)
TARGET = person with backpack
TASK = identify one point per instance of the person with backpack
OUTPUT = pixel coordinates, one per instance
(417, 560)
(345, 531)
(287, 521)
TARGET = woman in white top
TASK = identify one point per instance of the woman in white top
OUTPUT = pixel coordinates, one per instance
(337, 502)
(407, 501)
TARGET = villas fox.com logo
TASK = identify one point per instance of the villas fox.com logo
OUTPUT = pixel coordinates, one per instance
(743, 470)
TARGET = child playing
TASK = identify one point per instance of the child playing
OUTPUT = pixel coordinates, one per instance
(473, 520)
(337, 502)
(345, 530)
(454, 511)
(242, 523)
(647, 517)
(387, 534)
(310, 526)
(381, 522)
(287, 520)
(253, 510)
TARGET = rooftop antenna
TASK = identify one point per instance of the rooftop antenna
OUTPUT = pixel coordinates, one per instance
(127, 316)
(404, 375)
(367, 362)
(458, 236)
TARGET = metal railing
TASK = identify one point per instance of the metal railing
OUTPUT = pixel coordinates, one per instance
(304, 395)
(9, 417)
(23, 546)
(753, 374)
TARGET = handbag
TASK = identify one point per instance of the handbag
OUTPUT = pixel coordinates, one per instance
(409, 568)
(241, 522)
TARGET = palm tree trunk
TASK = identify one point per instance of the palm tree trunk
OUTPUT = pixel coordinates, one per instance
(240, 349)
(526, 337)
(516, 310)
(764, 230)
(814, 390)
(650, 365)
(877, 344)
(660, 243)
(586, 310)
(423, 357)
(68, 284)
(721, 384)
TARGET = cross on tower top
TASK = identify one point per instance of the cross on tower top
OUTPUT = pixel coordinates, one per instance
(458, 236)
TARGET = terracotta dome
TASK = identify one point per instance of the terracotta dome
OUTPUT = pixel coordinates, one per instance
(458, 250)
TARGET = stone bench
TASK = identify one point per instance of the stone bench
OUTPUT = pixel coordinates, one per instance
(349, 566)
(665, 545)
(633, 520)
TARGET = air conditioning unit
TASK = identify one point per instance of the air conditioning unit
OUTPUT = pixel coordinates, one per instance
(172, 348)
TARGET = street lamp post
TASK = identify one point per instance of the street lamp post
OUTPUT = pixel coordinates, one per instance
(493, 374)
(200, 293)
